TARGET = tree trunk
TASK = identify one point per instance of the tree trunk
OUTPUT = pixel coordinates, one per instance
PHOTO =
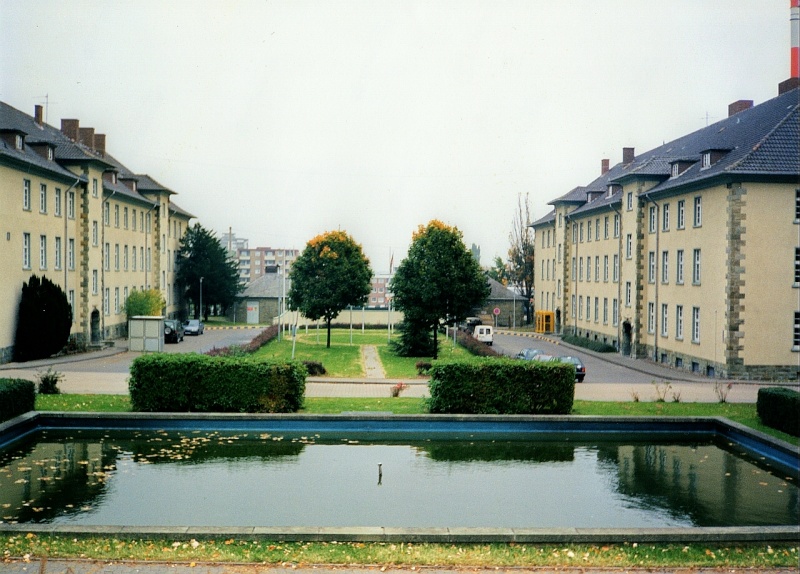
(328, 323)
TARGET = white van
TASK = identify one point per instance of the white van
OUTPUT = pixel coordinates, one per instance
(483, 333)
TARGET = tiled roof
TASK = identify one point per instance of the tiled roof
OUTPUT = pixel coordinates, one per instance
(498, 291)
(549, 218)
(269, 285)
(576, 195)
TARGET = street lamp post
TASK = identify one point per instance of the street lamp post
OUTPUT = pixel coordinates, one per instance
(200, 311)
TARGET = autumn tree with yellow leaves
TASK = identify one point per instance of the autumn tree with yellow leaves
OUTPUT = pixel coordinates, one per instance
(331, 274)
(439, 283)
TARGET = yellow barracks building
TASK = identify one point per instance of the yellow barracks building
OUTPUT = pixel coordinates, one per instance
(71, 212)
(687, 254)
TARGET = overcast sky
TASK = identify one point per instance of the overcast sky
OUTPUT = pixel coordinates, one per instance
(285, 119)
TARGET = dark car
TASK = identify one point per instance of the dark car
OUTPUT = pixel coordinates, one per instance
(173, 331)
(529, 354)
(194, 327)
(580, 370)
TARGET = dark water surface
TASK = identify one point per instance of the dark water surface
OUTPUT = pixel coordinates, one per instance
(259, 479)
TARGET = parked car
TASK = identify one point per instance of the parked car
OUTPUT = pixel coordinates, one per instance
(173, 331)
(484, 334)
(529, 354)
(580, 370)
(194, 327)
(542, 357)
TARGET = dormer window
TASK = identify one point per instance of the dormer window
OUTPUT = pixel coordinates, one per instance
(18, 141)
(50, 153)
(679, 166)
(712, 156)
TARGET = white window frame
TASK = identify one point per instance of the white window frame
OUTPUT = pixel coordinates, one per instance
(651, 266)
(628, 246)
(628, 290)
(42, 198)
(95, 282)
(614, 312)
(57, 202)
(665, 267)
(95, 233)
(697, 216)
(696, 276)
(70, 205)
(26, 195)
(681, 216)
(71, 254)
(695, 324)
(26, 250)
(616, 225)
(42, 252)
(664, 320)
(615, 269)
(57, 254)
(679, 322)
(630, 201)
(679, 260)
(651, 317)
(665, 217)
(652, 219)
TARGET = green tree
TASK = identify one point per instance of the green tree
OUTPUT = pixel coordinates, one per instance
(202, 256)
(499, 271)
(520, 255)
(440, 282)
(44, 320)
(148, 302)
(331, 274)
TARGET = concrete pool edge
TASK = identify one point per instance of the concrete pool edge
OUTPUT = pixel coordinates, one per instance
(721, 535)
(20, 427)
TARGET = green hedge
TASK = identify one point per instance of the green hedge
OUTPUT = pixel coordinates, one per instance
(17, 396)
(597, 346)
(501, 386)
(172, 382)
(779, 408)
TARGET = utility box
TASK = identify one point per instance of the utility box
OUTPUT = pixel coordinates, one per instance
(146, 334)
(545, 321)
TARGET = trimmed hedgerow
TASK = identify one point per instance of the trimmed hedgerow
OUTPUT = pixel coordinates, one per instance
(17, 396)
(259, 341)
(474, 346)
(164, 382)
(501, 386)
(597, 346)
(779, 408)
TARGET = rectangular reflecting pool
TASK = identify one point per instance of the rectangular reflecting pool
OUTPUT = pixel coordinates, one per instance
(401, 472)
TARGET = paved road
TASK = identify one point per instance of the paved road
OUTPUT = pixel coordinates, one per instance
(609, 376)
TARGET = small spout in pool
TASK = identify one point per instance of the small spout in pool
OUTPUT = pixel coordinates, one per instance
(380, 474)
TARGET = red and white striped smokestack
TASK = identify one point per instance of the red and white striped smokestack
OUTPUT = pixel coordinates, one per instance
(795, 30)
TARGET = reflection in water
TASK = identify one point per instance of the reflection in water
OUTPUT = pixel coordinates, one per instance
(259, 479)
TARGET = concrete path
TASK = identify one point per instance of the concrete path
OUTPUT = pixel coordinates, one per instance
(373, 367)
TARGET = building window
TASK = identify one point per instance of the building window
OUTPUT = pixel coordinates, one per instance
(57, 202)
(71, 254)
(71, 205)
(696, 267)
(664, 327)
(106, 309)
(630, 200)
(574, 271)
(605, 268)
(116, 257)
(71, 298)
(615, 271)
(94, 187)
(57, 254)
(18, 141)
(588, 308)
(26, 250)
(597, 269)
(133, 258)
(627, 293)
(597, 229)
(106, 214)
(679, 322)
(580, 268)
(652, 221)
(94, 282)
(106, 256)
(116, 300)
(616, 225)
(125, 258)
(588, 231)
(681, 214)
(26, 194)
(596, 309)
(665, 217)
(95, 234)
(665, 266)
(796, 334)
(614, 312)
(116, 215)
(42, 252)
(797, 205)
(628, 246)
(695, 324)
(797, 266)
(573, 306)
(605, 227)
(588, 269)
(605, 310)
(698, 211)
(580, 231)
(651, 317)
(574, 232)
(580, 307)
(125, 217)
(651, 267)
(42, 198)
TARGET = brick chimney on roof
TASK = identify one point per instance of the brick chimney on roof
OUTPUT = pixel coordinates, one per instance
(627, 155)
(788, 85)
(100, 144)
(70, 129)
(603, 166)
(86, 137)
(38, 114)
(739, 106)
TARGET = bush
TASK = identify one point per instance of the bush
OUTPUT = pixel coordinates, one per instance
(148, 302)
(501, 386)
(474, 346)
(423, 367)
(17, 396)
(414, 340)
(779, 408)
(588, 344)
(48, 382)
(259, 341)
(44, 320)
(191, 382)
(314, 368)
